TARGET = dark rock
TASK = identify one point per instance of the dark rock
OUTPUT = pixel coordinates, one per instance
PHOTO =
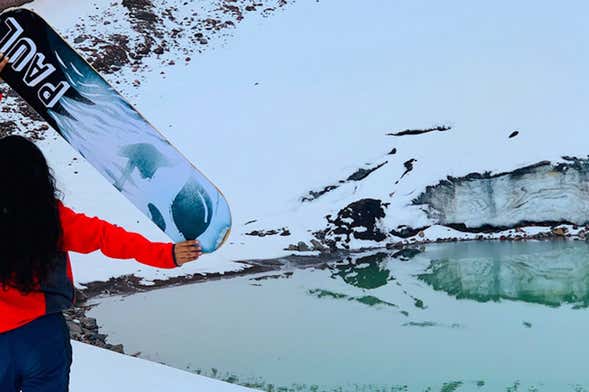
(318, 246)
(440, 128)
(362, 214)
(361, 174)
(89, 323)
(117, 348)
(75, 328)
(303, 247)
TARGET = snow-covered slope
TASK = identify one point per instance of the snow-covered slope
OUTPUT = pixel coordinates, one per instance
(316, 96)
(96, 370)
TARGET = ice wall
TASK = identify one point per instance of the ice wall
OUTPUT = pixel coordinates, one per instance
(540, 193)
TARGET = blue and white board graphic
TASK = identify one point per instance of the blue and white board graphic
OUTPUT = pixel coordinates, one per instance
(109, 133)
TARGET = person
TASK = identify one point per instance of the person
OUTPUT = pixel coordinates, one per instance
(36, 282)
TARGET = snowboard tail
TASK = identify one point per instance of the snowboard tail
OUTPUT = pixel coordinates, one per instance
(109, 133)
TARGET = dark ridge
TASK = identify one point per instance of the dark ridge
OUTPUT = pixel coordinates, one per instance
(439, 128)
(283, 232)
(250, 222)
(513, 134)
(361, 174)
(392, 152)
(488, 229)
(408, 166)
(574, 159)
(313, 195)
(406, 231)
(358, 175)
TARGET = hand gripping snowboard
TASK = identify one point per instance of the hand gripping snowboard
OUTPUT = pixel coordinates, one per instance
(109, 133)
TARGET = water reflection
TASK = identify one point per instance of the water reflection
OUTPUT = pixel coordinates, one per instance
(368, 272)
(545, 273)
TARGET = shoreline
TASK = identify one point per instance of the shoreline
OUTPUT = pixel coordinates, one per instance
(86, 330)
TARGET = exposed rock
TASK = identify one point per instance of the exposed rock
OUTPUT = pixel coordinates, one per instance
(395, 245)
(263, 233)
(75, 329)
(361, 174)
(559, 231)
(313, 195)
(318, 246)
(408, 166)
(8, 128)
(358, 175)
(440, 128)
(358, 220)
(89, 323)
(513, 134)
(117, 348)
(303, 247)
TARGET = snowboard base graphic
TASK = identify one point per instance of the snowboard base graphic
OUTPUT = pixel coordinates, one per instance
(109, 133)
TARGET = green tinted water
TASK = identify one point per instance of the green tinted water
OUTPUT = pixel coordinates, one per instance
(478, 316)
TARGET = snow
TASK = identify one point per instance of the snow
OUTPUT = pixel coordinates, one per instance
(301, 100)
(306, 110)
(110, 371)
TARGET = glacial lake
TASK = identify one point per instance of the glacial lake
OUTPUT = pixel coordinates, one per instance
(470, 316)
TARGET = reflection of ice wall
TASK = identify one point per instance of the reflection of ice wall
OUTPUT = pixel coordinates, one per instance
(545, 273)
(541, 193)
(146, 168)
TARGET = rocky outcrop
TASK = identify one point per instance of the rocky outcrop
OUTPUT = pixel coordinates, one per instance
(358, 175)
(85, 329)
(358, 220)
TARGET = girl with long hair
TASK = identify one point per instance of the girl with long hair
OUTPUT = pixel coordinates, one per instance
(36, 283)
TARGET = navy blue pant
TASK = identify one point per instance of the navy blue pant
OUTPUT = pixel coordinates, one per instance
(36, 357)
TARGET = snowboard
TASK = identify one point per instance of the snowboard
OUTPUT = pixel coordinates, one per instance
(109, 133)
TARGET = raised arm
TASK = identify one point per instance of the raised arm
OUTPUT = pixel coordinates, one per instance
(84, 235)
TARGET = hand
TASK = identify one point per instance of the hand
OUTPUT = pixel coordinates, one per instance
(187, 251)
(3, 61)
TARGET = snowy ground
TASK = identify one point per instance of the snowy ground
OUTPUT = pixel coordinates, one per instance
(115, 372)
(279, 106)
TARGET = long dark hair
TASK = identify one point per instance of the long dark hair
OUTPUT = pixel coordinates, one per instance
(30, 228)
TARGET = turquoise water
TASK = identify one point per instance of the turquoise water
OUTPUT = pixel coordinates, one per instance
(476, 316)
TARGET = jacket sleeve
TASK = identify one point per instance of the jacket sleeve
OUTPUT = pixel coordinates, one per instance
(83, 234)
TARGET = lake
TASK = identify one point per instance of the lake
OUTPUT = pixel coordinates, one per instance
(467, 316)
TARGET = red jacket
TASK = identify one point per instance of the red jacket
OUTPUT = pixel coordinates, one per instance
(84, 235)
